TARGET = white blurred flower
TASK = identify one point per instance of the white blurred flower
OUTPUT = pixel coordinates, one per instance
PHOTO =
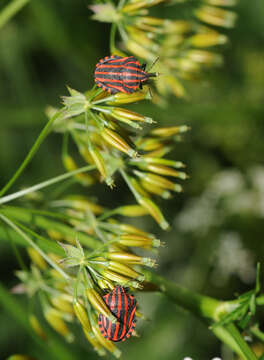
(232, 258)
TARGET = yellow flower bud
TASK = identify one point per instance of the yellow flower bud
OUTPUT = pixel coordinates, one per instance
(164, 170)
(216, 16)
(36, 258)
(137, 187)
(105, 284)
(204, 57)
(37, 327)
(118, 142)
(154, 189)
(123, 98)
(107, 344)
(127, 228)
(154, 211)
(138, 241)
(131, 210)
(82, 316)
(140, 4)
(159, 181)
(137, 49)
(55, 235)
(172, 163)
(208, 39)
(98, 303)
(152, 20)
(169, 131)
(95, 343)
(111, 275)
(178, 26)
(120, 113)
(129, 258)
(62, 303)
(149, 144)
(125, 270)
(57, 323)
(70, 165)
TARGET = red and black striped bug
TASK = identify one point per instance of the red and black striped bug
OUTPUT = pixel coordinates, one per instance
(123, 306)
(121, 74)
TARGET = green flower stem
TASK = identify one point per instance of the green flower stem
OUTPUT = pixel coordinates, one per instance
(10, 10)
(31, 153)
(206, 308)
(200, 305)
(44, 184)
(25, 216)
(34, 245)
(112, 38)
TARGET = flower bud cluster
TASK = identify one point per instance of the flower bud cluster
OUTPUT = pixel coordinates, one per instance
(180, 45)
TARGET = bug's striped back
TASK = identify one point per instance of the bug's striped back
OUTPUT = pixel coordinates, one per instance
(123, 306)
(119, 74)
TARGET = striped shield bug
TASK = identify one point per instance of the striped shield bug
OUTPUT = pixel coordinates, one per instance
(123, 306)
(121, 74)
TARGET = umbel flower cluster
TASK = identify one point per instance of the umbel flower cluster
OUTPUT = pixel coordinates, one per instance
(98, 250)
(83, 250)
(184, 47)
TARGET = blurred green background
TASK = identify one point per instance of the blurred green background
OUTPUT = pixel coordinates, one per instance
(217, 223)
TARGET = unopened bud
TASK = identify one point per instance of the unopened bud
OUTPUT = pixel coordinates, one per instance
(118, 142)
(94, 342)
(215, 16)
(121, 113)
(57, 323)
(154, 211)
(124, 98)
(154, 189)
(138, 241)
(98, 303)
(129, 258)
(159, 181)
(82, 316)
(104, 342)
(131, 210)
(37, 258)
(37, 327)
(105, 284)
(169, 131)
(62, 304)
(208, 39)
(125, 270)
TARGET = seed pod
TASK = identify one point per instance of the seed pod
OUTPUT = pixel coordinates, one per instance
(131, 210)
(157, 190)
(169, 131)
(98, 303)
(120, 113)
(154, 211)
(125, 270)
(62, 304)
(105, 343)
(70, 165)
(57, 323)
(138, 241)
(35, 324)
(118, 142)
(215, 16)
(164, 170)
(94, 342)
(123, 98)
(159, 181)
(36, 258)
(208, 39)
(82, 316)
(105, 284)
(129, 258)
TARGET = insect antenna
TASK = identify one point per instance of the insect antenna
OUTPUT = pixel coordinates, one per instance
(154, 62)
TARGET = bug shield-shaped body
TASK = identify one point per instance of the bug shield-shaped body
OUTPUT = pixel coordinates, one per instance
(120, 74)
(123, 306)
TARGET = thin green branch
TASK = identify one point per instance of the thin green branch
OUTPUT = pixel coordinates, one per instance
(31, 153)
(11, 9)
(34, 245)
(46, 183)
(206, 308)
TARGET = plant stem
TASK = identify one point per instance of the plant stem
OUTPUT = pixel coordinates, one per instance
(44, 184)
(31, 153)
(34, 245)
(10, 10)
(206, 308)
